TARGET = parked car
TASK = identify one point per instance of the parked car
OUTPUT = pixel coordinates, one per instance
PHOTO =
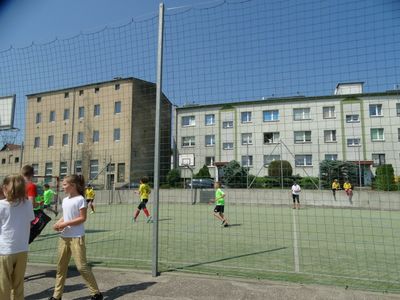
(200, 183)
(129, 186)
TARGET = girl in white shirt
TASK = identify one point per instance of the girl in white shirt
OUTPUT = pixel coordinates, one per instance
(16, 214)
(72, 240)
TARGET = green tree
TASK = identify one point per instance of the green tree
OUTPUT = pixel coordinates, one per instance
(277, 166)
(174, 177)
(234, 175)
(337, 169)
(384, 179)
(203, 173)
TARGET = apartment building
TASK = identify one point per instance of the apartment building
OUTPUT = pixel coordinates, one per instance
(105, 131)
(10, 157)
(349, 125)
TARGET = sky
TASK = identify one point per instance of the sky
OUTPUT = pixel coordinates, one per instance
(40, 21)
(214, 51)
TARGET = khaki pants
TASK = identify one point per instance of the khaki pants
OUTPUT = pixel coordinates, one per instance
(75, 247)
(12, 272)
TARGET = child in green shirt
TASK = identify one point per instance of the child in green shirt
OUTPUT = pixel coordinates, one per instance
(220, 204)
(48, 196)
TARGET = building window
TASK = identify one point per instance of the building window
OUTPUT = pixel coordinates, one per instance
(63, 169)
(66, 95)
(354, 142)
(94, 169)
(271, 137)
(81, 92)
(270, 115)
(210, 161)
(81, 112)
(302, 137)
(39, 99)
(96, 90)
(227, 124)
(331, 156)
(66, 114)
(3, 161)
(121, 172)
(210, 140)
(36, 143)
(38, 118)
(328, 112)
(188, 121)
(378, 159)
(80, 139)
(398, 109)
(65, 139)
(78, 167)
(353, 118)
(271, 157)
(303, 160)
(117, 86)
(111, 168)
(50, 141)
(96, 136)
(245, 117)
(209, 119)
(117, 107)
(117, 134)
(247, 160)
(398, 134)
(375, 110)
(329, 136)
(188, 141)
(227, 146)
(377, 135)
(16, 160)
(96, 110)
(247, 138)
(48, 169)
(35, 169)
(52, 117)
(301, 114)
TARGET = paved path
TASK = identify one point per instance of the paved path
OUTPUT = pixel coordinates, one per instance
(127, 284)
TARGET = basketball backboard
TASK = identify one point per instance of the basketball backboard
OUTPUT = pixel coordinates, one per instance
(186, 160)
(7, 110)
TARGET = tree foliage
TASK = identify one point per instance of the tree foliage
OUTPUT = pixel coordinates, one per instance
(174, 177)
(235, 176)
(337, 169)
(384, 179)
(277, 166)
(203, 173)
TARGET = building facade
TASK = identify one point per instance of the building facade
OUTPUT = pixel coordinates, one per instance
(350, 125)
(10, 157)
(105, 131)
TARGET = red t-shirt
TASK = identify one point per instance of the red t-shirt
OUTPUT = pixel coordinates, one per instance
(31, 190)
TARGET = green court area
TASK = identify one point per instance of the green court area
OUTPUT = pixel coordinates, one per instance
(358, 248)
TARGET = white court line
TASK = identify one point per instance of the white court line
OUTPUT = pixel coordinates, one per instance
(295, 244)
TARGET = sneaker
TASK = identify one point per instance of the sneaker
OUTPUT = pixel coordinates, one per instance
(97, 297)
(52, 298)
(149, 220)
(92, 212)
(56, 213)
(226, 225)
(133, 220)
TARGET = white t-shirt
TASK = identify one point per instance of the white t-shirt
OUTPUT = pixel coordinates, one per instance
(71, 210)
(15, 225)
(296, 189)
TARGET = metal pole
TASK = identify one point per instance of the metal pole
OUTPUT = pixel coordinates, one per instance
(359, 165)
(154, 256)
(281, 168)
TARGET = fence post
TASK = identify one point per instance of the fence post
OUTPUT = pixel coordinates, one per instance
(155, 245)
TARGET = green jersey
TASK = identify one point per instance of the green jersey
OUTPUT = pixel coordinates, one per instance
(219, 193)
(48, 196)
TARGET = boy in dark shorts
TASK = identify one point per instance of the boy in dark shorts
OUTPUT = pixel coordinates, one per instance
(89, 195)
(144, 193)
(220, 204)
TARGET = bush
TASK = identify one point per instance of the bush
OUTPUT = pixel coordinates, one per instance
(276, 166)
(310, 183)
(271, 182)
(174, 177)
(258, 183)
(203, 173)
(384, 179)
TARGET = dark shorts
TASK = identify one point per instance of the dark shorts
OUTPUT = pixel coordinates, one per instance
(219, 209)
(46, 205)
(142, 204)
(89, 200)
(296, 198)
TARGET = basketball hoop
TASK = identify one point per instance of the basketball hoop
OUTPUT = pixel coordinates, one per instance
(9, 136)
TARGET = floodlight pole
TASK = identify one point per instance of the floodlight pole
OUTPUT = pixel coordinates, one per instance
(155, 245)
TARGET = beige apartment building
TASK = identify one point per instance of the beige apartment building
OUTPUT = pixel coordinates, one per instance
(349, 125)
(10, 158)
(105, 131)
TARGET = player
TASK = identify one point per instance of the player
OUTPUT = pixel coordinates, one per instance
(335, 187)
(219, 201)
(349, 191)
(296, 195)
(16, 215)
(48, 196)
(89, 195)
(72, 239)
(27, 172)
(144, 193)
